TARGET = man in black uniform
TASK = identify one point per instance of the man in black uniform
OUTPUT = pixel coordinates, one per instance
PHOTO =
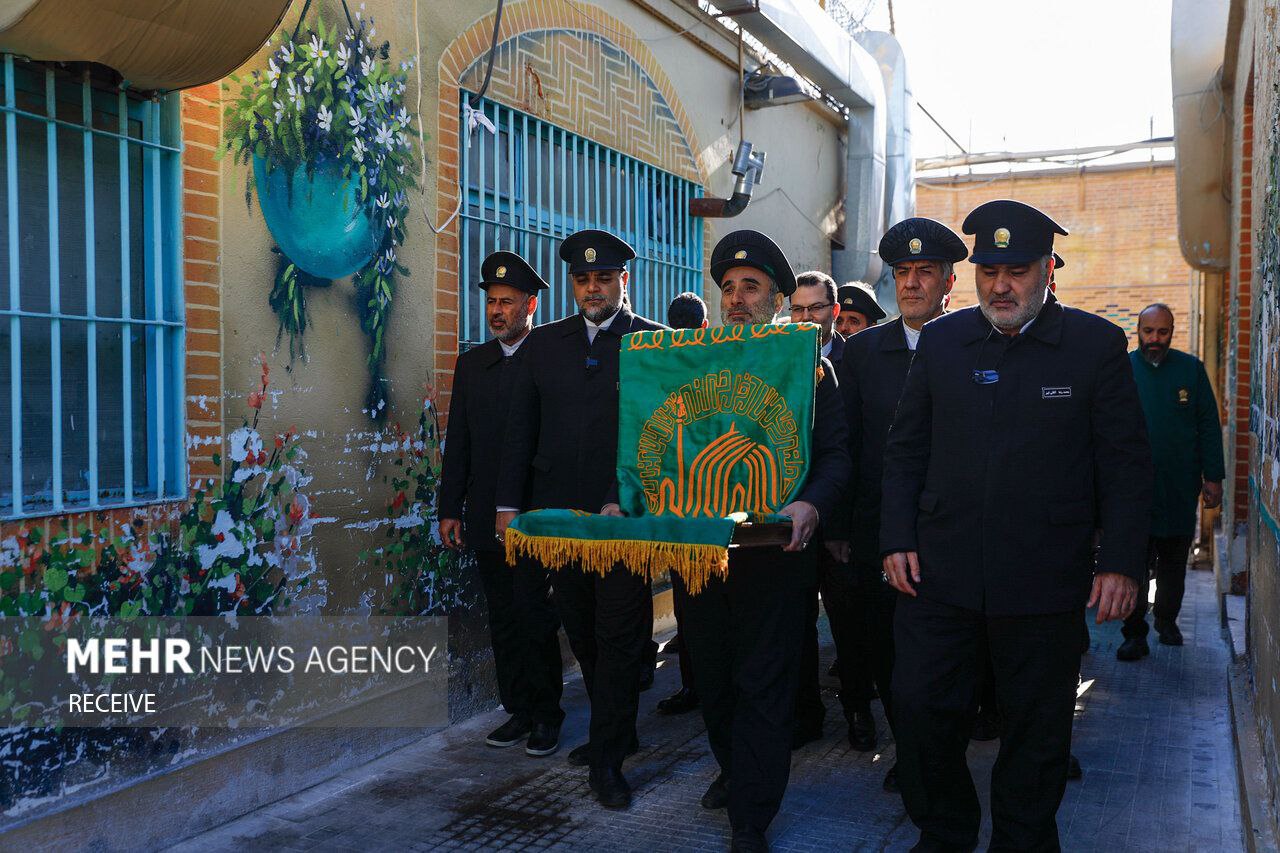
(561, 450)
(814, 301)
(859, 309)
(922, 254)
(523, 625)
(1018, 434)
(745, 631)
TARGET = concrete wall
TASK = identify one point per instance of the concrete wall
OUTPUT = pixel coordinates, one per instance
(1122, 253)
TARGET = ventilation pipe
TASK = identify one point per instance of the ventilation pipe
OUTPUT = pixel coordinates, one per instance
(805, 36)
(748, 165)
(1201, 132)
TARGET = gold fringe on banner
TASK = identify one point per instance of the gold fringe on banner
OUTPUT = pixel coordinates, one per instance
(694, 563)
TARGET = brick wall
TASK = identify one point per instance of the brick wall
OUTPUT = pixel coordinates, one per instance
(1122, 253)
(586, 72)
(202, 288)
(1241, 290)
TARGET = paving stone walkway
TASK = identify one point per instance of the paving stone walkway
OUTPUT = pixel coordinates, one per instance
(1154, 738)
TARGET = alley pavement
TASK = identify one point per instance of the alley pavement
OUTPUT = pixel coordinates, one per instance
(1154, 739)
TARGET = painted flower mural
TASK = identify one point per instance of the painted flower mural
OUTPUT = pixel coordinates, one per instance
(332, 150)
(422, 576)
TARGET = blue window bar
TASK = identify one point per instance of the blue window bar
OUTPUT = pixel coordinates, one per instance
(531, 184)
(91, 352)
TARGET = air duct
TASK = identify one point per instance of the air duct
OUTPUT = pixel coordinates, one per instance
(899, 173)
(804, 36)
(1201, 121)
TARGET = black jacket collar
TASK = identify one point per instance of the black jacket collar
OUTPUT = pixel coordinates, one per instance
(620, 326)
(837, 348)
(1046, 327)
(894, 338)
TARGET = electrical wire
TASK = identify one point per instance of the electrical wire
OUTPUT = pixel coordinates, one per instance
(493, 52)
(652, 40)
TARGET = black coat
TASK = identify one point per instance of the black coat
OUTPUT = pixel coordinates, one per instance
(872, 373)
(561, 442)
(477, 413)
(1000, 487)
(829, 465)
(838, 343)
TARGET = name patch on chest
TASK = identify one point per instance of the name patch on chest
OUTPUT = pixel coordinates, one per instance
(1055, 393)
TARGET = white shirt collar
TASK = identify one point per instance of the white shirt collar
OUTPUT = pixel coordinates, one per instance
(826, 348)
(912, 336)
(510, 349)
(594, 328)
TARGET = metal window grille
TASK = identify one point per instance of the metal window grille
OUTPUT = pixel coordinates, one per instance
(531, 184)
(91, 351)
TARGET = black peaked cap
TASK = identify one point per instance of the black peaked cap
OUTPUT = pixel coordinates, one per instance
(510, 269)
(747, 248)
(1010, 232)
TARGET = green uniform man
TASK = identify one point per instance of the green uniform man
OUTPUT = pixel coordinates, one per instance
(1186, 448)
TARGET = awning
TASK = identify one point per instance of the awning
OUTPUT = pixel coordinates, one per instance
(153, 44)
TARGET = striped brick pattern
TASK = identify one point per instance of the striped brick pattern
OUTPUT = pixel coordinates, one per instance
(202, 288)
(586, 83)
(570, 63)
(1123, 251)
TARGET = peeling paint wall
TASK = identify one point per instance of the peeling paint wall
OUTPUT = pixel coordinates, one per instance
(1257, 262)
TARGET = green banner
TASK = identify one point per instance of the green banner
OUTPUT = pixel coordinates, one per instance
(714, 429)
(715, 421)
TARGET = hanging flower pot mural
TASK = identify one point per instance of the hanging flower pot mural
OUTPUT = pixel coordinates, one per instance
(332, 149)
(317, 220)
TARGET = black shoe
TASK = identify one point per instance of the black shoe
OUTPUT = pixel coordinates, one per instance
(646, 679)
(862, 730)
(932, 844)
(610, 787)
(987, 726)
(1074, 770)
(891, 780)
(580, 756)
(1170, 635)
(682, 701)
(834, 672)
(747, 840)
(717, 795)
(1134, 648)
(543, 740)
(802, 733)
(672, 646)
(509, 733)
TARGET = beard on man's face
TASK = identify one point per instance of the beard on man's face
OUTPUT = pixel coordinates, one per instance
(761, 313)
(1152, 350)
(508, 332)
(598, 307)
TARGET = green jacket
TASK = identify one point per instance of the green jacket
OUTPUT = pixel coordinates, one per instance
(1186, 437)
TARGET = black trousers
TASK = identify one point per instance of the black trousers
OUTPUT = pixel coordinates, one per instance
(524, 630)
(1036, 661)
(608, 619)
(1167, 563)
(680, 601)
(859, 604)
(745, 633)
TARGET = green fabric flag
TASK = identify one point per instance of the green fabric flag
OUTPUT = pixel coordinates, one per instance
(714, 429)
